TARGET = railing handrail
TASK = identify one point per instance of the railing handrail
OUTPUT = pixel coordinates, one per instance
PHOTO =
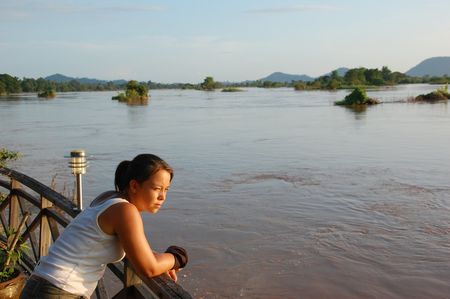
(51, 195)
(135, 286)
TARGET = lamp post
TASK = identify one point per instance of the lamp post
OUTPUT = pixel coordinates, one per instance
(78, 165)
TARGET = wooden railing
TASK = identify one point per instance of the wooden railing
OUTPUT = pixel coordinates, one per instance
(50, 213)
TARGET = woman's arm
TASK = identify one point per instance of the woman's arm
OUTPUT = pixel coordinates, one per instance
(124, 220)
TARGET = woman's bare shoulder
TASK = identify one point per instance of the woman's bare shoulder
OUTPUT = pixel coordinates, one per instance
(117, 216)
(123, 211)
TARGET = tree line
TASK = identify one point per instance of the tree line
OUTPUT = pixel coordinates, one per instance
(10, 84)
(365, 77)
(353, 77)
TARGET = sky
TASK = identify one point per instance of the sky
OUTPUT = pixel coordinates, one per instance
(233, 40)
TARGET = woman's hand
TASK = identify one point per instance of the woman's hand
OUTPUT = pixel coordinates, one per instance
(173, 274)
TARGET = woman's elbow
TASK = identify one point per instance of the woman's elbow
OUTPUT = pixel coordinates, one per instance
(151, 272)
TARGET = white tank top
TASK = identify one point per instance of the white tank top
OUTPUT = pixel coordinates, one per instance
(78, 258)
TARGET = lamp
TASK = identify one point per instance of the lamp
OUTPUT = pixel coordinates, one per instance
(78, 165)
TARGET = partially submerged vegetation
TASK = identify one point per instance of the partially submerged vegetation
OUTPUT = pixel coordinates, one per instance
(441, 94)
(358, 97)
(135, 94)
(49, 94)
(232, 89)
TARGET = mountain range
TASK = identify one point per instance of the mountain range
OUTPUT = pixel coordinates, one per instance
(59, 78)
(283, 77)
(434, 66)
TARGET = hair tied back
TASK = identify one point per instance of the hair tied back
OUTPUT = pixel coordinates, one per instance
(121, 176)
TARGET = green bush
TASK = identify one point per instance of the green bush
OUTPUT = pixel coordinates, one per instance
(300, 86)
(3, 89)
(357, 97)
(10, 256)
(133, 88)
(441, 94)
(232, 89)
(209, 84)
(135, 93)
(49, 93)
(7, 155)
(121, 97)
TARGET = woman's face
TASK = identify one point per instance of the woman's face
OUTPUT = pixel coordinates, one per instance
(150, 194)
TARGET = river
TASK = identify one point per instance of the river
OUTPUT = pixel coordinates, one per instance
(277, 193)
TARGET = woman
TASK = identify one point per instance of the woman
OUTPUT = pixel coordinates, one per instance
(108, 230)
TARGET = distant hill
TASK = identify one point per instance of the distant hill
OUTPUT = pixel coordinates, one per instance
(62, 78)
(341, 71)
(435, 66)
(282, 77)
(58, 78)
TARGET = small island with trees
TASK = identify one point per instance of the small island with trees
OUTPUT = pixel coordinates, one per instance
(135, 94)
(209, 84)
(358, 97)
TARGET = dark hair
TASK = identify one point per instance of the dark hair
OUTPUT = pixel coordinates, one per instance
(140, 169)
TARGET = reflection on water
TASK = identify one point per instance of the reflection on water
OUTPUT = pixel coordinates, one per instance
(359, 111)
(277, 193)
(137, 102)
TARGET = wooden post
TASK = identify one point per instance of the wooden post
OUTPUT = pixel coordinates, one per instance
(14, 206)
(45, 239)
(100, 290)
(130, 277)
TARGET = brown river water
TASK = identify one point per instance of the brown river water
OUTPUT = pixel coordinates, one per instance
(277, 193)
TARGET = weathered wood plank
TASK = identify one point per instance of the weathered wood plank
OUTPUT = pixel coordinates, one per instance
(25, 195)
(3, 220)
(14, 207)
(31, 234)
(33, 225)
(131, 278)
(53, 228)
(100, 290)
(157, 287)
(61, 219)
(134, 292)
(117, 269)
(4, 204)
(45, 238)
(164, 287)
(27, 263)
(53, 196)
(5, 184)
